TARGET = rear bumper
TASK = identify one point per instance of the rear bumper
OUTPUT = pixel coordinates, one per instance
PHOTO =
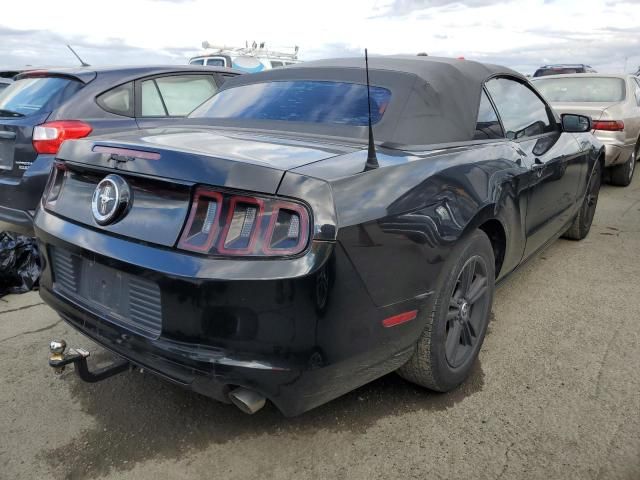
(19, 196)
(616, 154)
(300, 339)
(616, 151)
(23, 219)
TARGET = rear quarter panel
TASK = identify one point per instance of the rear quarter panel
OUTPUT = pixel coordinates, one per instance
(399, 223)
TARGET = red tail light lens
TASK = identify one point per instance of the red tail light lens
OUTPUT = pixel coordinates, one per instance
(202, 226)
(609, 125)
(48, 137)
(227, 224)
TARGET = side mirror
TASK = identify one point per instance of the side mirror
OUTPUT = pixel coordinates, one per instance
(576, 123)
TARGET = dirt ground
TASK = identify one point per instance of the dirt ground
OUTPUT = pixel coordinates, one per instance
(555, 395)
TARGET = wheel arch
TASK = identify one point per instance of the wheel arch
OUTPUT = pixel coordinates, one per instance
(494, 227)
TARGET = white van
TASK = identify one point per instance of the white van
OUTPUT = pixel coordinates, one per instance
(250, 59)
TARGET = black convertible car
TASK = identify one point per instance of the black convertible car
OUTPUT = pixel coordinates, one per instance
(270, 255)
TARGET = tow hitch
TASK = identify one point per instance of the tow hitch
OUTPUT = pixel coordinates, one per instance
(59, 358)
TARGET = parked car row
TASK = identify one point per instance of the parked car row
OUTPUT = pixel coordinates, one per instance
(307, 229)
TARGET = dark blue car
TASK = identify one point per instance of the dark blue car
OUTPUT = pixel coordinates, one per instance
(42, 108)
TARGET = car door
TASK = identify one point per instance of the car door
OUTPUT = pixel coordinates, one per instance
(165, 99)
(556, 164)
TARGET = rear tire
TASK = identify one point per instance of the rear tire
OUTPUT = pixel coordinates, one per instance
(456, 326)
(581, 225)
(621, 175)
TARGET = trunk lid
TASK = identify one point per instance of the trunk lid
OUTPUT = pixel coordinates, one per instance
(175, 160)
(590, 109)
(16, 149)
(230, 159)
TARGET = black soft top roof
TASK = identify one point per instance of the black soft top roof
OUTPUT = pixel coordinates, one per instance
(434, 100)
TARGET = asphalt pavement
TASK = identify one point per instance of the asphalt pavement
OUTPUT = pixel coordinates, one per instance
(555, 394)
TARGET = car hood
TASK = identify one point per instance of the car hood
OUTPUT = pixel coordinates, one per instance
(227, 158)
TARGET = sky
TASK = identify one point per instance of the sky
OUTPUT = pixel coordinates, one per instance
(521, 34)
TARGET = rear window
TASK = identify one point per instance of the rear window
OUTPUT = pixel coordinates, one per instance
(31, 95)
(298, 101)
(582, 89)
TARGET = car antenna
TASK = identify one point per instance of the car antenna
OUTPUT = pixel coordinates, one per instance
(82, 62)
(372, 159)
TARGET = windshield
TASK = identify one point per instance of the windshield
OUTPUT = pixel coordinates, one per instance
(582, 89)
(298, 101)
(29, 95)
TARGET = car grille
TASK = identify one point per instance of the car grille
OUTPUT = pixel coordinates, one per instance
(130, 301)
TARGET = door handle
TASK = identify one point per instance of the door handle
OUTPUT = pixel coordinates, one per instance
(4, 135)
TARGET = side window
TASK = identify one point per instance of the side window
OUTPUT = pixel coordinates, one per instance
(182, 94)
(175, 95)
(276, 64)
(199, 61)
(216, 62)
(637, 90)
(522, 112)
(487, 125)
(118, 100)
(151, 102)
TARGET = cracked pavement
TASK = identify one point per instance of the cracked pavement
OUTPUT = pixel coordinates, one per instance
(556, 394)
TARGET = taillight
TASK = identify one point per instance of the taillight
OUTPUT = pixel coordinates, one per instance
(227, 224)
(48, 137)
(609, 125)
(54, 184)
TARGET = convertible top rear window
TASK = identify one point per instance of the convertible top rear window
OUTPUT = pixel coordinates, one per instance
(308, 101)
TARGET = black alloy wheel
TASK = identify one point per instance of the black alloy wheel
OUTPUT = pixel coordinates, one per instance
(581, 225)
(456, 320)
(467, 307)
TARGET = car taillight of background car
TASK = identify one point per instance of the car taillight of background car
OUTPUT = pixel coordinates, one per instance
(227, 224)
(48, 137)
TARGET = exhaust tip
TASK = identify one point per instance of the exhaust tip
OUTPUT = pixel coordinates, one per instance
(246, 400)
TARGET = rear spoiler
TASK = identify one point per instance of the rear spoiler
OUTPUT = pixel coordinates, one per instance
(85, 76)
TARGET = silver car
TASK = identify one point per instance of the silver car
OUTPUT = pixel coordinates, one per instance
(613, 102)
